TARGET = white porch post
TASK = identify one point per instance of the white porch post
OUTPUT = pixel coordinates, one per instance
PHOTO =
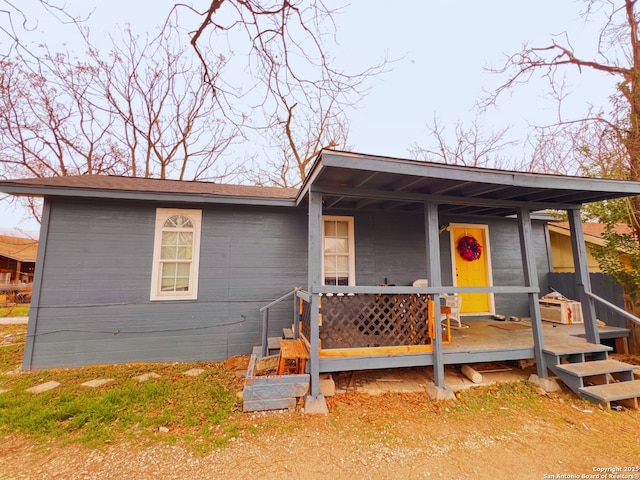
(314, 280)
(531, 280)
(582, 276)
(435, 278)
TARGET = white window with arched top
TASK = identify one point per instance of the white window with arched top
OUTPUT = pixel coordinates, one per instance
(176, 253)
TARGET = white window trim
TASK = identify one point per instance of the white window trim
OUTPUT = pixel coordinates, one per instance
(162, 215)
(352, 246)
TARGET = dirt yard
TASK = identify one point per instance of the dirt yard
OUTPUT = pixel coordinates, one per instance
(518, 433)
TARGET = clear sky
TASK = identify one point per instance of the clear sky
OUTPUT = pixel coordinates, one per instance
(441, 47)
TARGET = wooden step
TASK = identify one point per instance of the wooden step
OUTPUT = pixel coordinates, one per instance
(287, 333)
(574, 348)
(597, 367)
(273, 345)
(625, 393)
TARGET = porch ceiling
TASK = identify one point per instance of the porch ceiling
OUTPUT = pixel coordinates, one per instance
(356, 181)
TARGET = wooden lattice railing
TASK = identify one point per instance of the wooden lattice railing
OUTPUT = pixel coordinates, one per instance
(305, 318)
(373, 320)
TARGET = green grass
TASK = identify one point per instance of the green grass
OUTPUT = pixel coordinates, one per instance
(203, 410)
(500, 398)
(14, 311)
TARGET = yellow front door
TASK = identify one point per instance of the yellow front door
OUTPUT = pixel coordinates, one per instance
(471, 266)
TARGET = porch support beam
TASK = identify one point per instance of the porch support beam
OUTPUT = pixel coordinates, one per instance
(434, 275)
(582, 276)
(363, 193)
(314, 280)
(531, 280)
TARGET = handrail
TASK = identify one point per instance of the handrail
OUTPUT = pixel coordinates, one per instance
(275, 302)
(303, 294)
(615, 308)
(264, 340)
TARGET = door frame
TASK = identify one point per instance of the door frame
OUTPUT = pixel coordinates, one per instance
(486, 255)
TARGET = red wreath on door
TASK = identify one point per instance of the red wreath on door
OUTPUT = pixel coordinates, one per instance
(469, 248)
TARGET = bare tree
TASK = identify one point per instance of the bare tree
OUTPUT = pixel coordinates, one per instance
(617, 132)
(16, 23)
(140, 112)
(471, 146)
(167, 118)
(296, 140)
(296, 84)
(604, 144)
(51, 128)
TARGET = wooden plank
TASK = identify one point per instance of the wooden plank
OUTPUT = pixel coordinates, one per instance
(598, 367)
(613, 391)
(281, 379)
(287, 333)
(292, 349)
(268, 404)
(559, 348)
(622, 345)
(371, 351)
(275, 390)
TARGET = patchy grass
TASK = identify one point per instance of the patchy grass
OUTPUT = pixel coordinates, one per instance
(204, 413)
(498, 398)
(202, 409)
(14, 311)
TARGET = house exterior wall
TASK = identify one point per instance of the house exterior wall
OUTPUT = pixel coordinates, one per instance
(391, 245)
(94, 304)
(562, 254)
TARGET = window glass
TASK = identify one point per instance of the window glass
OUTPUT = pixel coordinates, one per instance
(175, 267)
(339, 255)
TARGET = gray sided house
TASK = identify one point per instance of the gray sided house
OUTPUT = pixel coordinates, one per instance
(142, 270)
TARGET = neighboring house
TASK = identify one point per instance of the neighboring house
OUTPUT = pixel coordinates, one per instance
(17, 259)
(561, 250)
(134, 270)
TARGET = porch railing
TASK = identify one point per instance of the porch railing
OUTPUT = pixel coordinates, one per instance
(614, 308)
(264, 340)
(373, 320)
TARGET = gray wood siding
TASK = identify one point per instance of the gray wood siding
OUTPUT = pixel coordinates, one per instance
(95, 305)
(392, 245)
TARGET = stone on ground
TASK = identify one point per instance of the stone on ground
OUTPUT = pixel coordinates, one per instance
(327, 385)
(98, 382)
(547, 384)
(315, 405)
(440, 393)
(194, 372)
(44, 387)
(146, 376)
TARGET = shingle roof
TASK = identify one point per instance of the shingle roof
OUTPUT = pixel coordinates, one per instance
(21, 249)
(151, 185)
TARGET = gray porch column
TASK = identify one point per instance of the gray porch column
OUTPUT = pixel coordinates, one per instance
(314, 280)
(582, 276)
(435, 279)
(531, 280)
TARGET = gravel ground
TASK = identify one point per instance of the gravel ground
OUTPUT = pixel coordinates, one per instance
(390, 436)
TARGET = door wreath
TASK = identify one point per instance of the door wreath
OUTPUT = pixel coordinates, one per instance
(469, 248)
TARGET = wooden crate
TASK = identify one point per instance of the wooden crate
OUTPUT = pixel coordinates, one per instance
(561, 311)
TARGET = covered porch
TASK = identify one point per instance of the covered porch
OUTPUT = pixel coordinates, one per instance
(340, 318)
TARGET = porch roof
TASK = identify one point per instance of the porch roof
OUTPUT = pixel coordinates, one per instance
(353, 181)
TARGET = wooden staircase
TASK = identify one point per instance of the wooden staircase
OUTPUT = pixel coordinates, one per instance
(587, 370)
